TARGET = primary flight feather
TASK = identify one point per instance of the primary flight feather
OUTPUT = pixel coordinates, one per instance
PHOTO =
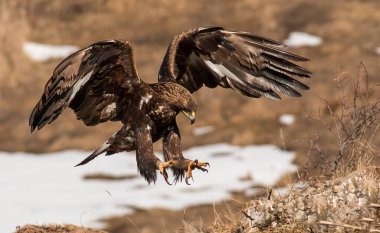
(100, 83)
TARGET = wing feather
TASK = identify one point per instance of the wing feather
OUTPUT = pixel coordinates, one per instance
(253, 65)
(91, 81)
(275, 51)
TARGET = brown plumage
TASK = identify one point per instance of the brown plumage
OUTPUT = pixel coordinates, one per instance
(100, 83)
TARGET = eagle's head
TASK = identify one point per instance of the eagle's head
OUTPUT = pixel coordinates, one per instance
(180, 99)
(188, 106)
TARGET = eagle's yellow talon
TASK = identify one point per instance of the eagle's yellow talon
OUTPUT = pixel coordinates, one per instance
(191, 166)
(162, 168)
(187, 180)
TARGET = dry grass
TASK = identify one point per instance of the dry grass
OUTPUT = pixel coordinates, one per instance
(353, 124)
(226, 221)
(55, 229)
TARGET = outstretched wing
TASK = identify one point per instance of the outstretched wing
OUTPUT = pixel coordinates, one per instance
(252, 65)
(93, 82)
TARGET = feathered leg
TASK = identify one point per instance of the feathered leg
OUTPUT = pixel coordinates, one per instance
(147, 162)
(173, 154)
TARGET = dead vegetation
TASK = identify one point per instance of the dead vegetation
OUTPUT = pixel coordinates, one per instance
(55, 229)
(353, 124)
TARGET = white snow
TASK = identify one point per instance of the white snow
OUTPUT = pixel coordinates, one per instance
(203, 130)
(43, 52)
(49, 189)
(299, 39)
(287, 119)
(377, 50)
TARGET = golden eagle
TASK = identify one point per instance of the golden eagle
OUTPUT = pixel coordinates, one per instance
(100, 83)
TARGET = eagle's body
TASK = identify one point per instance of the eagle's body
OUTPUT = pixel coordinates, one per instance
(149, 114)
(100, 83)
(158, 114)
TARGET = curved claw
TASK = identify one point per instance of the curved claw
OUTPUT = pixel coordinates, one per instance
(162, 167)
(201, 165)
(187, 180)
(167, 181)
(202, 169)
(165, 175)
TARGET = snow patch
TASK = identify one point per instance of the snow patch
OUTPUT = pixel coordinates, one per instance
(203, 130)
(43, 52)
(287, 119)
(299, 39)
(49, 189)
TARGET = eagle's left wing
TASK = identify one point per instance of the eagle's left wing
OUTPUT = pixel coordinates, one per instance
(252, 65)
(95, 82)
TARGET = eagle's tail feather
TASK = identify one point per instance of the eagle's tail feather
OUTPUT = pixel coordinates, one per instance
(98, 151)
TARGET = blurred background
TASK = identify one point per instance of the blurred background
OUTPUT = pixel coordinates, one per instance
(349, 50)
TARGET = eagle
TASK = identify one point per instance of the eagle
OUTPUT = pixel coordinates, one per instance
(100, 83)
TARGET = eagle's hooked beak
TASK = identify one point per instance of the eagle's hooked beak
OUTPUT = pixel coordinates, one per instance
(190, 115)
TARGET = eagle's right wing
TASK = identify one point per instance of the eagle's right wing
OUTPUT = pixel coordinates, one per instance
(94, 82)
(252, 65)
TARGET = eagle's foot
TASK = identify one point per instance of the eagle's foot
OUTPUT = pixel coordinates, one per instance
(192, 165)
(162, 168)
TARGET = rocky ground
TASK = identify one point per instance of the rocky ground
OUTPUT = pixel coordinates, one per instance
(350, 34)
(349, 203)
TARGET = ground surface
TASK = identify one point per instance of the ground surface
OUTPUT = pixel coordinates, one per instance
(56, 229)
(350, 32)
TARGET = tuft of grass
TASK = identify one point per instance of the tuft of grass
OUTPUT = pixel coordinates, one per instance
(55, 229)
(226, 221)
